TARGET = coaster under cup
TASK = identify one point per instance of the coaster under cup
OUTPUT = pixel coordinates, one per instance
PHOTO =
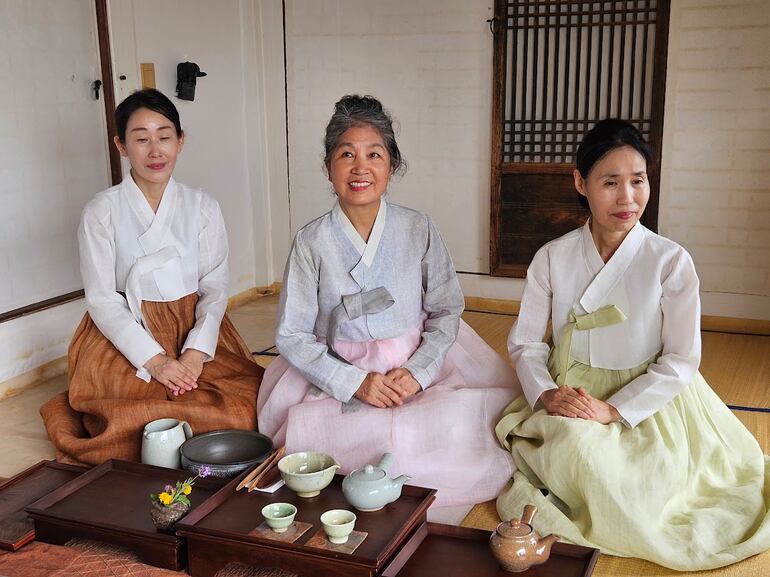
(320, 541)
(294, 532)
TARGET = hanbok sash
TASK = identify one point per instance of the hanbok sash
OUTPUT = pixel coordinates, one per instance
(604, 317)
(352, 307)
(143, 266)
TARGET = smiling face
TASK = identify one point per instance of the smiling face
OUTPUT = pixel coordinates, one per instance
(152, 147)
(359, 168)
(617, 191)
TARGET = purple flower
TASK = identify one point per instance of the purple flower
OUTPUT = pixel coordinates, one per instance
(168, 488)
(204, 472)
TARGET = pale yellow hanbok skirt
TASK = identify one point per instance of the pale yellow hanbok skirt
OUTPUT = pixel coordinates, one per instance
(688, 488)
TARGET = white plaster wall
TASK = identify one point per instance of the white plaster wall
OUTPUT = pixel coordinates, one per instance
(52, 145)
(32, 341)
(430, 62)
(275, 213)
(52, 159)
(715, 182)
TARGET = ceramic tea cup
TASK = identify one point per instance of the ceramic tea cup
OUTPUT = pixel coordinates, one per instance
(338, 525)
(161, 440)
(279, 516)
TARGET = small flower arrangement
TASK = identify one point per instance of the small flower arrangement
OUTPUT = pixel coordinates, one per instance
(173, 502)
(179, 493)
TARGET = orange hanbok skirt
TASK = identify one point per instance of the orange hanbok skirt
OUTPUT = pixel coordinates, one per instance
(103, 413)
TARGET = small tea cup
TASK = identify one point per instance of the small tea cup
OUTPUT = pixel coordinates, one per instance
(279, 516)
(338, 525)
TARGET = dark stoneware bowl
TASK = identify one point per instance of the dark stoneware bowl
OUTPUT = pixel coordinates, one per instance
(226, 453)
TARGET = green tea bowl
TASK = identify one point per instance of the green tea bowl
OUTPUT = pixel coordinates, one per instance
(307, 473)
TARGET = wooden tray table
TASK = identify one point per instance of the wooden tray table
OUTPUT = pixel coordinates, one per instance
(111, 503)
(220, 531)
(16, 528)
(451, 551)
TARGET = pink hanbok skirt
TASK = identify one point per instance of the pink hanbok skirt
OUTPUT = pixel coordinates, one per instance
(443, 437)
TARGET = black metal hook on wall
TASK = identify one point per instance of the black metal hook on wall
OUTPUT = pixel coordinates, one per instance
(492, 24)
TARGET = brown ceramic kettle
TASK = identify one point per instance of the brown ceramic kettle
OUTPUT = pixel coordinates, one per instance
(517, 546)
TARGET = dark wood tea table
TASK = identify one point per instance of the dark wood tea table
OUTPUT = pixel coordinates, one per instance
(111, 503)
(462, 552)
(16, 528)
(220, 531)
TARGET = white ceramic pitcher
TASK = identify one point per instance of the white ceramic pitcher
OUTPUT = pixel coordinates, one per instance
(161, 440)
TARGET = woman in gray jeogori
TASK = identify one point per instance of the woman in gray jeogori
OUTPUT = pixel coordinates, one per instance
(374, 356)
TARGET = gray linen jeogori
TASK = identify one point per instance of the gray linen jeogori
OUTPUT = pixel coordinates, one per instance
(404, 255)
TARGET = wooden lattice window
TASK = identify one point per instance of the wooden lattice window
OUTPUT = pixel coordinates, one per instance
(560, 66)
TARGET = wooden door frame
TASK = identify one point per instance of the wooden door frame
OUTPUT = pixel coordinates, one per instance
(498, 169)
(108, 88)
(499, 47)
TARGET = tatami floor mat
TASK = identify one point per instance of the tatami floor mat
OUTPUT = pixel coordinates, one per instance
(607, 566)
(759, 425)
(492, 328)
(738, 368)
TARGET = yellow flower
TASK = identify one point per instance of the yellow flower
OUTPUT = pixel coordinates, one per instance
(165, 498)
(187, 490)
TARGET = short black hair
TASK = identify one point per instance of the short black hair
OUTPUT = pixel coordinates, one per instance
(603, 138)
(148, 98)
(354, 110)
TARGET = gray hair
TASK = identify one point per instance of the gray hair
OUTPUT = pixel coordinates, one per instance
(354, 110)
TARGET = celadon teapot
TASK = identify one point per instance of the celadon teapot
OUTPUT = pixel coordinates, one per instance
(517, 546)
(370, 488)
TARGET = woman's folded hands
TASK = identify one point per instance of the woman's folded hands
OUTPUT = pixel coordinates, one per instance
(565, 401)
(387, 390)
(177, 376)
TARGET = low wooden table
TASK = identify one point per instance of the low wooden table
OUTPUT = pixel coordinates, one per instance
(462, 552)
(220, 531)
(111, 503)
(16, 528)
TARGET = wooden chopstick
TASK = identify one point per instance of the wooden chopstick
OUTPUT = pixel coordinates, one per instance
(268, 478)
(257, 470)
(274, 458)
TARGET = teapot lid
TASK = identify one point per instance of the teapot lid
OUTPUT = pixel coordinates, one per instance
(368, 473)
(514, 528)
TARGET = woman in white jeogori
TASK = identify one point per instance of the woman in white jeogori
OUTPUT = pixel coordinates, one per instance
(374, 356)
(618, 440)
(155, 341)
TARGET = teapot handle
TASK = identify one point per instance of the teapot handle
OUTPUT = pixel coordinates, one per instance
(187, 429)
(386, 461)
(528, 514)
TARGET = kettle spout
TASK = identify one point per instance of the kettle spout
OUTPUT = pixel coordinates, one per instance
(400, 480)
(544, 545)
(395, 487)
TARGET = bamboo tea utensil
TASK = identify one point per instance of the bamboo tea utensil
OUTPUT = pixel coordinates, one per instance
(259, 469)
(269, 478)
(256, 471)
(272, 462)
